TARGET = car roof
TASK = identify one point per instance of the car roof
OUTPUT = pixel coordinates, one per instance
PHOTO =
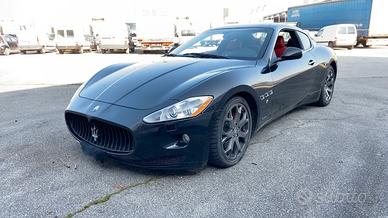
(275, 26)
(341, 24)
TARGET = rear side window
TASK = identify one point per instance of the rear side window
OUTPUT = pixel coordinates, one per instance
(351, 30)
(304, 40)
(342, 30)
(69, 33)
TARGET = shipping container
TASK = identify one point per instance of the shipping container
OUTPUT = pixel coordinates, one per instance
(368, 16)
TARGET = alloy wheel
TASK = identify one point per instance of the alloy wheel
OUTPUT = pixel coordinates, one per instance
(329, 85)
(235, 131)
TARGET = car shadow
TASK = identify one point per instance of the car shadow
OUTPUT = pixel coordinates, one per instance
(54, 99)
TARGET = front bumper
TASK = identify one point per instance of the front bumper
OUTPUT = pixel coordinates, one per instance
(155, 48)
(69, 47)
(30, 47)
(154, 146)
(114, 46)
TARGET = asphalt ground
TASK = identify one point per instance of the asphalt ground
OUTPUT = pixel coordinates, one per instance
(312, 162)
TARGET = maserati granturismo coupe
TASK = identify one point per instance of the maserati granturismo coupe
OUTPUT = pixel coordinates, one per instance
(201, 102)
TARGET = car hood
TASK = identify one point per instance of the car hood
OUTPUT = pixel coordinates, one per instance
(149, 84)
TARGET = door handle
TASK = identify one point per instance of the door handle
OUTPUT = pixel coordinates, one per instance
(311, 62)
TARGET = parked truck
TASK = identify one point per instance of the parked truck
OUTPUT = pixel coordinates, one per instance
(33, 38)
(72, 38)
(184, 29)
(155, 33)
(368, 16)
(111, 36)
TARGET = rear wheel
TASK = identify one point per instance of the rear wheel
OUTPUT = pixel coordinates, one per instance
(231, 133)
(331, 44)
(328, 88)
(364, 44)
(350, 47)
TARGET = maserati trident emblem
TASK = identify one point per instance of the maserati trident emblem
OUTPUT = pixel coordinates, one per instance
(96, 108)
(94, 133)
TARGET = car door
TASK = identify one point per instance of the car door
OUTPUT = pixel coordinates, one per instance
(341, 36)
(314, 74)
(12, 42)
(292, 78)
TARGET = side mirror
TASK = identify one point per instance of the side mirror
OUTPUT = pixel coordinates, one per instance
(291, 53)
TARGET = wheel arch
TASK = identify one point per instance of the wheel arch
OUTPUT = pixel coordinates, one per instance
(249, 95)
(333, 63)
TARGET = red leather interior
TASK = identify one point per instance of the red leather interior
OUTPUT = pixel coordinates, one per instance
(280, 46)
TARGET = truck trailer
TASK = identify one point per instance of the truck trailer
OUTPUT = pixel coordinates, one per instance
(155, 33)
(369, 16)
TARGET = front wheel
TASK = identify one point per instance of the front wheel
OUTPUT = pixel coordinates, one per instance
(328, 88)
(231, 133)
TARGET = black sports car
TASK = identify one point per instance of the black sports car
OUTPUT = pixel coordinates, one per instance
(202, 101)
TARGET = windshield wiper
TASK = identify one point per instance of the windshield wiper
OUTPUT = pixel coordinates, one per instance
(204, 55)
(170, 55)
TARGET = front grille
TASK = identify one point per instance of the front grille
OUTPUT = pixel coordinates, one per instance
(99, 133)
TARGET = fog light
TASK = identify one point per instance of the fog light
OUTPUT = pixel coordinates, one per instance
(185, 138)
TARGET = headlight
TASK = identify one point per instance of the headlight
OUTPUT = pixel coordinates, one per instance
(190, 107)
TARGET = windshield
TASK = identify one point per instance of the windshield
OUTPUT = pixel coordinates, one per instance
(246, 44)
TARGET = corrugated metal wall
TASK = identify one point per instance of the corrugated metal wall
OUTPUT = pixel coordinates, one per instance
(315, 16)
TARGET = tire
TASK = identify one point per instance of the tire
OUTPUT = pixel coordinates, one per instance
(7, 51)
(327, 89)
(331, 44)
(364, 44)
(23, 52)
(350, 47)
(225, 150)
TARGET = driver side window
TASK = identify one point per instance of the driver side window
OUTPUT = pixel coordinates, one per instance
(286, 39)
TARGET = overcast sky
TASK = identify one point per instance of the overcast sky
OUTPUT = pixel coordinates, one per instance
(52, 12)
